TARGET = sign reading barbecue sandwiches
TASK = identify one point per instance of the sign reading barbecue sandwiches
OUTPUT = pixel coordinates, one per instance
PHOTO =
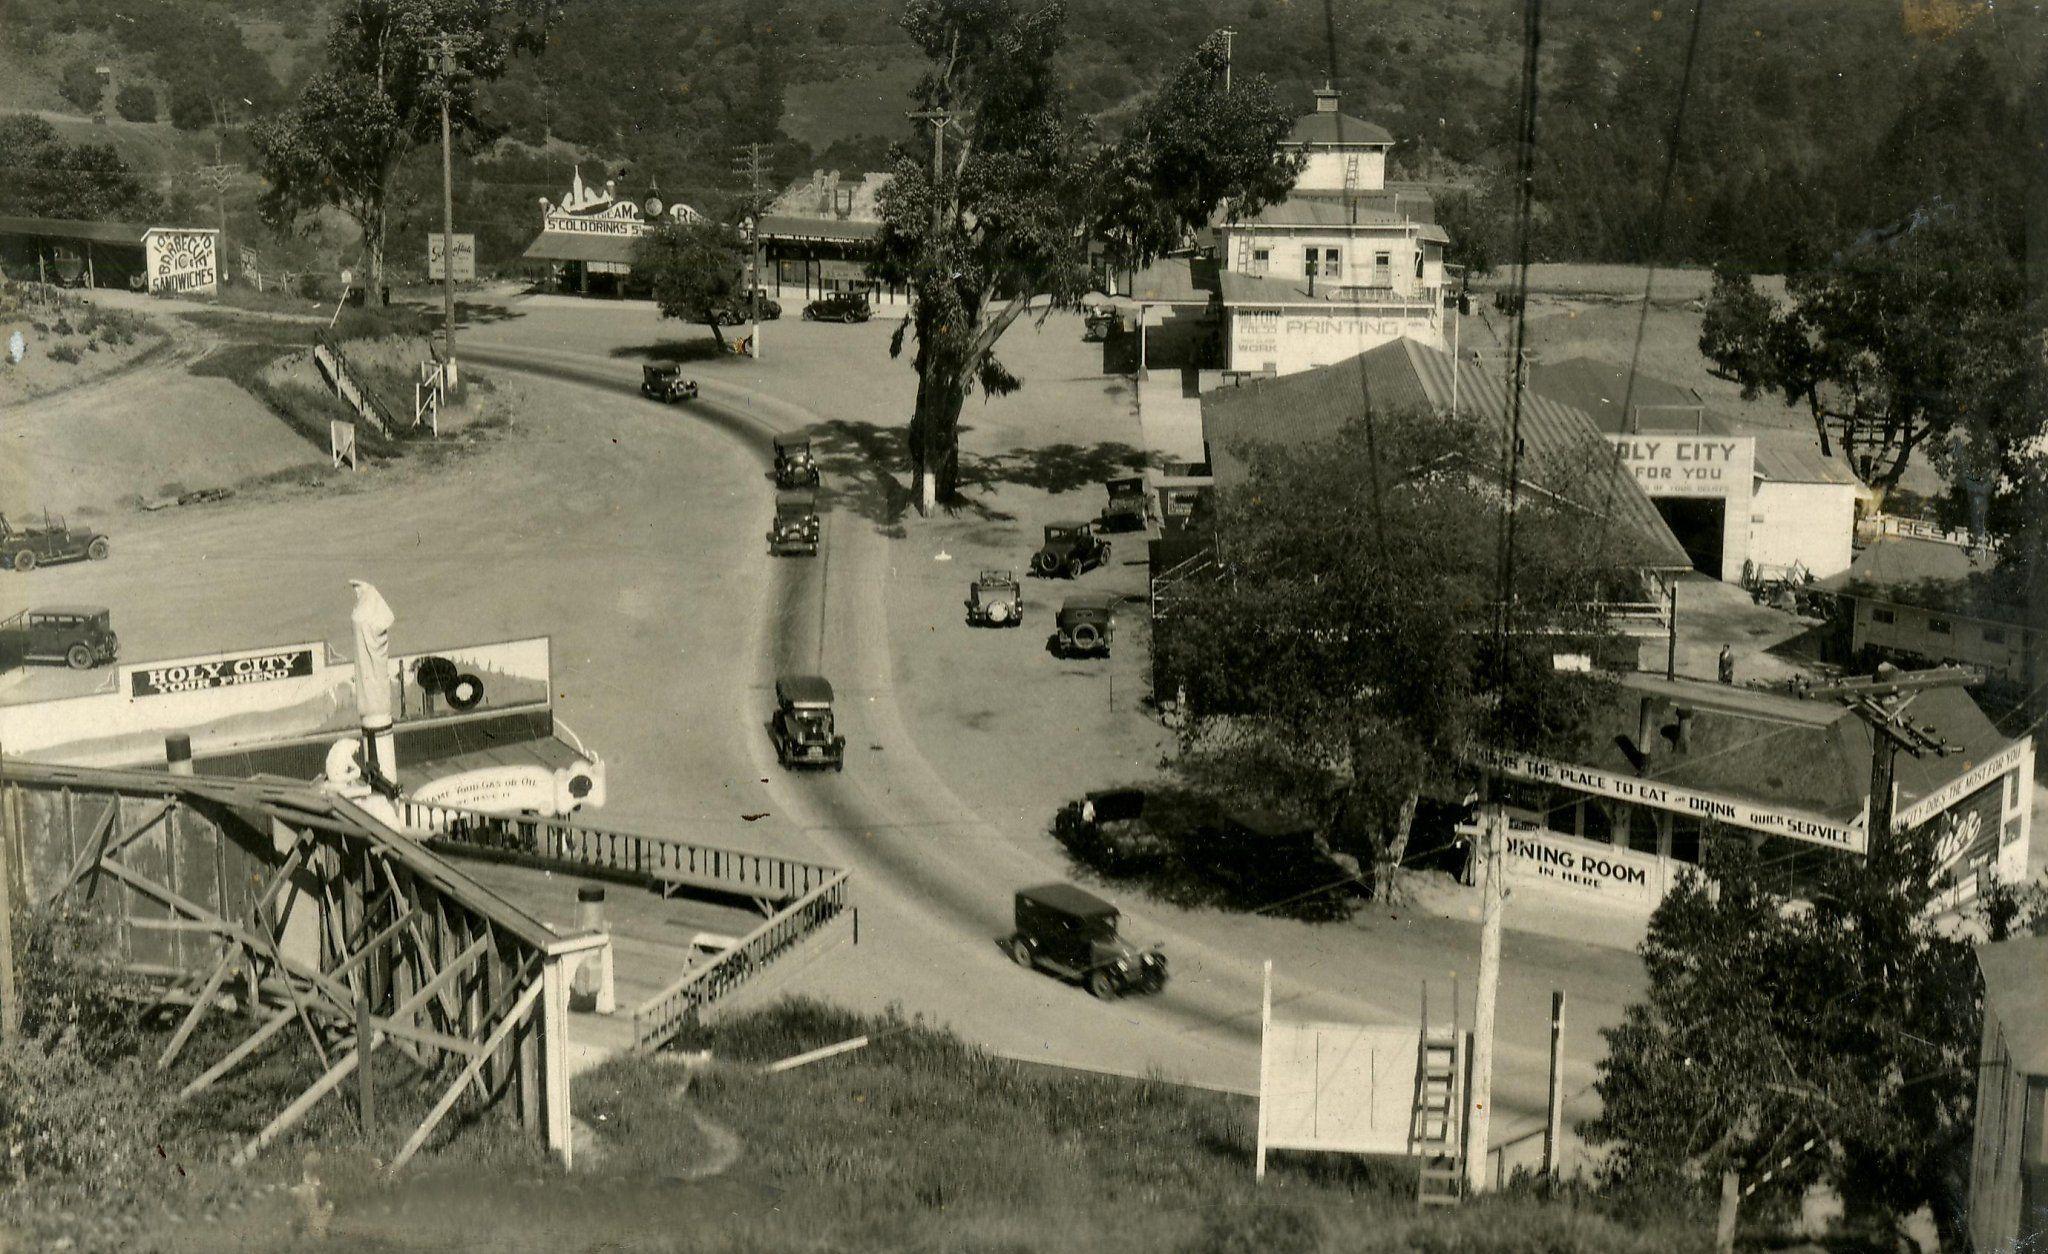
(226, 670)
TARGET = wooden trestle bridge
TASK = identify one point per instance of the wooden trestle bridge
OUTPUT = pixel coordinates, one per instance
(311, 916)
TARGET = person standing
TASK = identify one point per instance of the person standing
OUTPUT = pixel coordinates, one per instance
(1727, 664)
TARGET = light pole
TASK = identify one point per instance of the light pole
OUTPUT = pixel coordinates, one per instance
(448, 372)
(747, 226)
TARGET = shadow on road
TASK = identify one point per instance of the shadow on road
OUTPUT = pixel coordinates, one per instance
(701, 349)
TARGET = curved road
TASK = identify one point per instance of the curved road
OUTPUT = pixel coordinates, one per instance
(934, 881)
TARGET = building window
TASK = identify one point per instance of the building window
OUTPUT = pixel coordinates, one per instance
(1381, 261)
(1883, 616)
(1939, 626)
(1261, 258)
(1994, 635)
(1418, 265)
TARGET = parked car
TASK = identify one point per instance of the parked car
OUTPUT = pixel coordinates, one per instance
(802, 730)
(80, 636)
(1085, 626)
(736, 311)
(795, 529)
(664, 381)
(24, 548)
(995, 600)
(1096, 329)
(1129, 507)
(794, 465)
(839, 307)
(1085, 819)
(1073, 934)
(1070, 549)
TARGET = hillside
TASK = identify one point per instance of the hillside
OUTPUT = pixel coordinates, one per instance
(1793, 135)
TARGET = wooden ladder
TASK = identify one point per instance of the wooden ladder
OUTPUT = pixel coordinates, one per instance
(1438, 1127)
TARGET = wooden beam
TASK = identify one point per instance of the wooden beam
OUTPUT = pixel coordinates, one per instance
(441, 980)
(95, 847)
(199, 1006)
(271, 1027)
(469, 1071)
(304, 1102)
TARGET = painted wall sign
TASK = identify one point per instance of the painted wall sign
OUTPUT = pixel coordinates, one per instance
(465, 257)
(1585, 867)
(157, 679)
(181, 260)
(1687, 465)
(1942, 798)
(587, 210)
(1811, 828)
(518, 789)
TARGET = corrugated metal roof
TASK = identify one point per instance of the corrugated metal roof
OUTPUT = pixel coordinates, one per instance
(565, 246)
(1562, 450)
(1893, 560)
(126, 233)
(1175, 281)
(1336, 128)
(1336, 210)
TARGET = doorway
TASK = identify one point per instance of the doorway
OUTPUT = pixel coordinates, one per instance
(1699, 522)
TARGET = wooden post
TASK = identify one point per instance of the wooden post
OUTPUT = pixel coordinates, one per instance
(1731, 1203)
(1671, 647)
(1493, 897)
(367, 1100)
(1265, 1028)
(10, 1007)
(1553, 1136)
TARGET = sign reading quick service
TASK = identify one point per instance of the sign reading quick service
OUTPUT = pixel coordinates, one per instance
(156, 679)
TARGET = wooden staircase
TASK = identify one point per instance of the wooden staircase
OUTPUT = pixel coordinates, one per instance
(334, 368)
(1437, 1132)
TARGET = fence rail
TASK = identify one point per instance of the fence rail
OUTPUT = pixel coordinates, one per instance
(333, 363)
(660, 859)
(657, 1022)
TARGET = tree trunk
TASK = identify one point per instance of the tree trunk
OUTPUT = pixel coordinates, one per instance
(935, 434)
(717, 334)
(1395, 850)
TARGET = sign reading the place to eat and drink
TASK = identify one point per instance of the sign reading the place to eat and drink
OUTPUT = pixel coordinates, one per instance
(465, 257)
(1668, 464)
(222, 670)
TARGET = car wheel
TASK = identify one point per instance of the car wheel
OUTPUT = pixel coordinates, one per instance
(79, 656)
(1074, 568)
(97, 550)
(1020, 952)
(1102, 986)
(809, 316)
(1045, 563)
(24, 560)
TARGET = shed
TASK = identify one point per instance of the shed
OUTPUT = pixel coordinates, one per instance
(2009, 1153)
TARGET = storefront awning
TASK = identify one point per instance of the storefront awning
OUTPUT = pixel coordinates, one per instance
(561, 246)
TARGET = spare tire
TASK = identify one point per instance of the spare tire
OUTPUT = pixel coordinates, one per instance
(997, 612)
(466, 693)
(434, 674)
(1085, 635)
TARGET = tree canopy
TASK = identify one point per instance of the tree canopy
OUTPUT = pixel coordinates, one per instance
(694, 269)
(378, 96)
(1351, 619)
(52, 179)
(999, 217)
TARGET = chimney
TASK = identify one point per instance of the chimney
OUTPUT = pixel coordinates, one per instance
(1326, 98)
(1646, 725)
(1681, 741)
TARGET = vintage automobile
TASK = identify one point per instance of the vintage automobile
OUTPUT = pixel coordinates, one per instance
(802, 729)
(80, 636)
(1096, 329)
(1070, 548)
(995, 600)
(736, 311)
(839, 307)
(796, 524)
(24, 548)
(1085, 625)
(664, 381)
(794, 465)
(1085, 819)
(1129, 507)
(1073, 934)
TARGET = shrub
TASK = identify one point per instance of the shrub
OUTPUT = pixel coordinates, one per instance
(67, 353)
(313, 286)
(64, 327)
(80, 84)
(136, 102)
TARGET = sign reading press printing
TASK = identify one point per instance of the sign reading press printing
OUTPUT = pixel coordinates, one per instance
(226, 670)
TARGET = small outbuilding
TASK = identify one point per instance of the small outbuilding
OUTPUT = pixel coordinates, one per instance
(74, 253)
(2009, 1156)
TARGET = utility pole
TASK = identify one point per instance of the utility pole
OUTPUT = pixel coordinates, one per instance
(448, 371)
(1891, 731)
(10, 1005)
(1229, 38)
(749, 164)
(1492, 900)
(928, 483)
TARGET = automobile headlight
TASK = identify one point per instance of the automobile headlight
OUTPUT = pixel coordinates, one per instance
(1123, 964)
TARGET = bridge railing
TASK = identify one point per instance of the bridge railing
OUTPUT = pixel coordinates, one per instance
(660, 859)
(657, 1022)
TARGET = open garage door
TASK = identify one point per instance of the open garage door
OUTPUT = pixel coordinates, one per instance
(1699, 523)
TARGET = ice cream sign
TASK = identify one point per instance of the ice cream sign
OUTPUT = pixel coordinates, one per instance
(181, 260)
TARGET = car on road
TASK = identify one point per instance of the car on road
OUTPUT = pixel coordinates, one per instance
(735, 311)
(1085, 625)
(664, 381)
(795, 529)
(1097, 326)
(995, 599)
(802, 730)
(795, 467)
(839, 307)
(1073, 934)
(25, 548)
(1070, 549)
(80, 636)
(1129, 507)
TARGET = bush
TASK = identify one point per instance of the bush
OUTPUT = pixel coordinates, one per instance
(80, 84)
(67, 353)
(313, 286)
(136, 102)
